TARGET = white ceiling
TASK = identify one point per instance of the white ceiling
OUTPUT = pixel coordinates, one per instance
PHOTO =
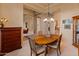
(42, 7)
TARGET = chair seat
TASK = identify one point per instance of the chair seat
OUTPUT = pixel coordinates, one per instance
(40, 49)
(52, 46)
(38, 46)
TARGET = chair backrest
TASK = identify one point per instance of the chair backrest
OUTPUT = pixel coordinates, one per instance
(32, 44)
(59, 41)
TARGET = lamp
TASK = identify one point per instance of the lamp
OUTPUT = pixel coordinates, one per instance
(2, 21)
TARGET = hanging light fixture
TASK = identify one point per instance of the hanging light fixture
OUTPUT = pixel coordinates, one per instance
(49, 16)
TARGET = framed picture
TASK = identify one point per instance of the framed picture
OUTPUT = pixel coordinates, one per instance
(67, 26)
(67, 21)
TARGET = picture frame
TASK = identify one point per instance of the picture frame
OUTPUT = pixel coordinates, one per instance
(67, 23)
(67, 26)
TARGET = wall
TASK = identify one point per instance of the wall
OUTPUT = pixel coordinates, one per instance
(14, 14)
(57, 18)
(67, 12)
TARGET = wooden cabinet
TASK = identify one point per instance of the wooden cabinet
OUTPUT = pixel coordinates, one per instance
(10, 39)
(76, 32)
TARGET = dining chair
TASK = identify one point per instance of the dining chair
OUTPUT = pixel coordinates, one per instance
(36, 49)
(56, 45)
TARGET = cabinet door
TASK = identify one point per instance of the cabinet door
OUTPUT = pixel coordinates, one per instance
(77, 31)
(77, 25)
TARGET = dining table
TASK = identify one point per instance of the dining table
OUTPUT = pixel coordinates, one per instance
(46, 40)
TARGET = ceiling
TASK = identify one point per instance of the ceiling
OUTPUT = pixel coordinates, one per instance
(42, 7)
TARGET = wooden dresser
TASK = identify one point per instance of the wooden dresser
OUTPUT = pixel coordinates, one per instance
(10, 39)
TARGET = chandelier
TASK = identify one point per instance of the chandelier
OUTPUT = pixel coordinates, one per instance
(49, 17)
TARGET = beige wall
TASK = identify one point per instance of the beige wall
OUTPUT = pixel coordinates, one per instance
(14, 14)
(67, 12)
(57, 17)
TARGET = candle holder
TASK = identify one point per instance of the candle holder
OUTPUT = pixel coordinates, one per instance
(2, 25)
(2, 21)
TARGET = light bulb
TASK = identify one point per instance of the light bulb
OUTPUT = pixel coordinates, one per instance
(45, 19)
(51, 19)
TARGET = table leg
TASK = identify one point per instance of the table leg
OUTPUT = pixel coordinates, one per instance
(46, 52)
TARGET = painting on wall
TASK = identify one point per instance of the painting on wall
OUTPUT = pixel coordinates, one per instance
(67, 26)
(67, 23)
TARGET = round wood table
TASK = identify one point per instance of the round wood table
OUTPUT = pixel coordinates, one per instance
(42, 40)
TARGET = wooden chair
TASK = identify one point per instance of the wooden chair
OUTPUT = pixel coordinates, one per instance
(36, 49)
(56, 45)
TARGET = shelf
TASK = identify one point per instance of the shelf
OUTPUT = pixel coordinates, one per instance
(76, 45)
